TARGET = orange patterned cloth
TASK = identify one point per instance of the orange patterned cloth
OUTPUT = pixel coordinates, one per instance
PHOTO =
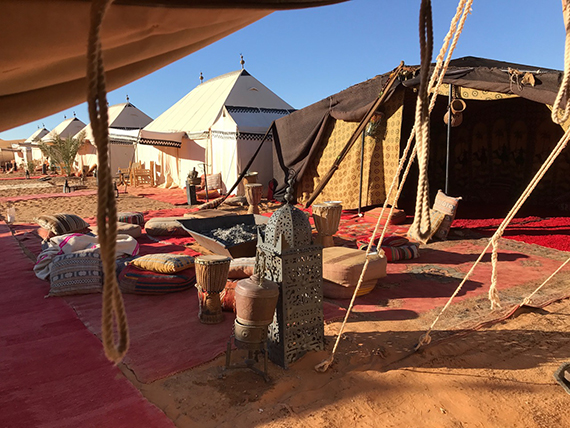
(381, 154)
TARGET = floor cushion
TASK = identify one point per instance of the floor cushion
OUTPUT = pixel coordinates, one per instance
(209, 214)
(61, 224)
(343, 265)
(228, 296)
(131, 217)
(165, 226)
(130, 229)
(395, 253)
(241, 267)
(80, 272)
(123, 262)
(332, 290)
(138, 281)
(164, 262)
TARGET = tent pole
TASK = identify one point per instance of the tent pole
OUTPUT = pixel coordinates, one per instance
(448, 139)
(361, 173)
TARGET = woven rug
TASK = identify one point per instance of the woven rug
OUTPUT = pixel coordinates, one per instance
(54, 372)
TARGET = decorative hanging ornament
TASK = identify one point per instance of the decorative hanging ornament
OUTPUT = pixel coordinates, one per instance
(457, 106)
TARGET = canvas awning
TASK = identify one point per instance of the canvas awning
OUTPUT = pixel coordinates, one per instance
(123, 136)
(164, 139)
(43, 72)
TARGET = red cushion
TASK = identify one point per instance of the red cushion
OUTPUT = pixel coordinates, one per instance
(138, 281)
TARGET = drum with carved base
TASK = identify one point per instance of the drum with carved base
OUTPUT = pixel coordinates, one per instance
(211, 277)
(327, 220)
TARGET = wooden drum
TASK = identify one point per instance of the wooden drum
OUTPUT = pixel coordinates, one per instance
(253, 196)
(211, 277)
(327, 220)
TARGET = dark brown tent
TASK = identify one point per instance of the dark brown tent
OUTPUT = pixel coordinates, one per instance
(505, 135)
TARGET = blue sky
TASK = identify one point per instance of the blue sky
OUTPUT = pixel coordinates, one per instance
(305, 55)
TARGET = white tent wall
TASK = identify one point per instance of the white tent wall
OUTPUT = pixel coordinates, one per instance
(192, 154)
(86, 156)
(263, 163)
(37, 154)
(166, 163)
(222, 156)
(120, 156)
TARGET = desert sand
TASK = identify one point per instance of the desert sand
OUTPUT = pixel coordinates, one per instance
(497, 376)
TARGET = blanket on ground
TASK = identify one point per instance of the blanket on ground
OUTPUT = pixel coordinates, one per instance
(72, 242)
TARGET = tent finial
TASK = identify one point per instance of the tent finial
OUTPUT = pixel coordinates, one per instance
(74, 115)
(64, 117)
(127, 98)
(242, 62)
(201, 78)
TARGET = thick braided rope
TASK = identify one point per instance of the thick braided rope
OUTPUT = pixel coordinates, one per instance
(463, 9)
(425, 338)
(564, 90)
(493, 293)
(420, 228)
(113, 306)
(441, 66)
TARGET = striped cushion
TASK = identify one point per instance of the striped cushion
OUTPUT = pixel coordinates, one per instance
(131, 217)
(139, 281)
(164, 263)
(61, 224)
(76, 273)
(393, 254)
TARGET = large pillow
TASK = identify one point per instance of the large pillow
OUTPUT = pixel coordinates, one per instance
(242, 267)
(138, 281)
(344, 265)
(165, 226)
(61, 224)
(447, 206)
(164, 263)
(394, 254)
(76, 273)
(131, 229)
(332, 290)
(131, 217)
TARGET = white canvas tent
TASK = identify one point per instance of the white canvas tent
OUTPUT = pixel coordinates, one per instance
(34, 139)
(220, 123)
(7, 151)
(125, 122)
(67, 128)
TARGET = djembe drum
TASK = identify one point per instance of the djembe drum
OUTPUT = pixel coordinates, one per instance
(211, 277)
(327, 220)
(253, 196)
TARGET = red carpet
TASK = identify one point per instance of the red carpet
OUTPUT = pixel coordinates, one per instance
(166, 336)
(547, 232)
(54, 372)
(171, 196)
(419, 285)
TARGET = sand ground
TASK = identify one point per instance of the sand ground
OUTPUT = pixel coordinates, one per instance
(500, 376)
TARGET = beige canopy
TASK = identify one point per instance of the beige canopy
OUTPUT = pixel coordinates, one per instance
(44, 45)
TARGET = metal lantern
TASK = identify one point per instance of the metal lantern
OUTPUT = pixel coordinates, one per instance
(289, 257)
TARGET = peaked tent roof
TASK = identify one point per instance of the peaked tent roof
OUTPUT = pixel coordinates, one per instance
(37, 135)
(67, 128)
(123, 116)
(198, 110)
